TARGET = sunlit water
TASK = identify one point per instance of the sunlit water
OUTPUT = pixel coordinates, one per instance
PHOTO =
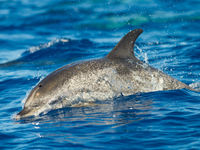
(37, 37)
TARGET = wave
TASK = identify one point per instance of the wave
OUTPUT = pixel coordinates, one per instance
(58, 51)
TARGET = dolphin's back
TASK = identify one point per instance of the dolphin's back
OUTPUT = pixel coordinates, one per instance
(107, 78)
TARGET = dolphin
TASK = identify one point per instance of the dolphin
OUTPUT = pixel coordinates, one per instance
(119, 73)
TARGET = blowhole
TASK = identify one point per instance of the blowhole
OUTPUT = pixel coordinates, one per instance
(40, 85)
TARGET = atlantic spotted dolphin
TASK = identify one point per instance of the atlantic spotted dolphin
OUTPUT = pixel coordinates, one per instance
(118, 73)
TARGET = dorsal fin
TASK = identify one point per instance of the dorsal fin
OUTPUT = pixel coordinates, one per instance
(124, 49)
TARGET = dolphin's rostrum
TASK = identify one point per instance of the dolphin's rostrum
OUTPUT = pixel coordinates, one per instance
(119, 73)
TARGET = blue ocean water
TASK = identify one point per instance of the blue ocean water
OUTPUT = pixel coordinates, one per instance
(37, 37)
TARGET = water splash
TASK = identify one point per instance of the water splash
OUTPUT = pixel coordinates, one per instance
(142, 54)
(195, 86)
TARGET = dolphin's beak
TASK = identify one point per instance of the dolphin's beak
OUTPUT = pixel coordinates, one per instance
(24, 113)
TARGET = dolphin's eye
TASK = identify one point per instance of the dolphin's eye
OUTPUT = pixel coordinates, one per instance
(40, 85)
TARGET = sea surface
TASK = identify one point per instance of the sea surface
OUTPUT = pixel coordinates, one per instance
(39, 36)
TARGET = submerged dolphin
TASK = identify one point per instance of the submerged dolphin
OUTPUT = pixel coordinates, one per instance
(119, 73)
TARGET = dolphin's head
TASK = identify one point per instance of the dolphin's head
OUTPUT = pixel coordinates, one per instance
(33, 102)
(38, 98)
